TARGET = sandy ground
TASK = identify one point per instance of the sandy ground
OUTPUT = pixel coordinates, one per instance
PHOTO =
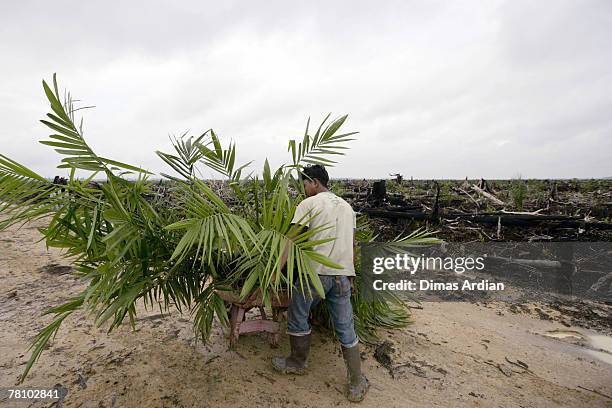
(454, 354)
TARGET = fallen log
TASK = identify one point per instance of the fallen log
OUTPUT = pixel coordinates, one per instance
(490, 196)
(382, 213)
(497, 218)
(462, 191)
(542, 263)
(522, 220)
(355, 194)
(536, 212)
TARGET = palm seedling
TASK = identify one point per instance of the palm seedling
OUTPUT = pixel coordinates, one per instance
(131, 241)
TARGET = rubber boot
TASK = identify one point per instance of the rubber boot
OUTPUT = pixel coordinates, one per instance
(358, 384)
(296, 362)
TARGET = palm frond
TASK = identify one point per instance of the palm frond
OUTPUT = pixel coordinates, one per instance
(42, 338)
(260, 266)
(210, 227)
(68, 138)
(188, 154)
(26, 196)
(208, 305)
(223, 161)
(316, 149)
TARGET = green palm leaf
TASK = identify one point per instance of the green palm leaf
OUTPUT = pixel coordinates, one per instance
(325, 142)
(218, 159)
(188, 154)
(68, 140)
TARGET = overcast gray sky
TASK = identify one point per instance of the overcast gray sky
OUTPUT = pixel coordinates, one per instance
(438, 89)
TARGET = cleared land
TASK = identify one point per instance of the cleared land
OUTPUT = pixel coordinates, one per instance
(455, 354)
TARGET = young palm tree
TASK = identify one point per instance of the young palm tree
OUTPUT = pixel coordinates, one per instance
(130, 243)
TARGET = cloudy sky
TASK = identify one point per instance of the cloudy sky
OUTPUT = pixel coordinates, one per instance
(437, 89)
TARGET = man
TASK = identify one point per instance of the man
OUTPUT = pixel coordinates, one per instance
(324, 208)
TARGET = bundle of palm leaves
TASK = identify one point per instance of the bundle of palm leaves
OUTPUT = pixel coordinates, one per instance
(131, 243)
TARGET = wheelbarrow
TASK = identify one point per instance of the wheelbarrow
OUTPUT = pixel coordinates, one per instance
(238, 309)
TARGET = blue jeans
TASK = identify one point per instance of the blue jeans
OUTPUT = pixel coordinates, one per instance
(338, 298)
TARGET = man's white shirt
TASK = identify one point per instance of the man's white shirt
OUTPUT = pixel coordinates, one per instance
(328, 210)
